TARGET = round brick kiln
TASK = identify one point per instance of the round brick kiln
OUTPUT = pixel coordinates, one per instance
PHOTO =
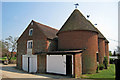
(101, 47)
(107, 49)
(101, 54)
(78, 33)
(81, 40)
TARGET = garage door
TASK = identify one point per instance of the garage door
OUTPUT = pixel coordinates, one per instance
(56, 64)
(29, 63)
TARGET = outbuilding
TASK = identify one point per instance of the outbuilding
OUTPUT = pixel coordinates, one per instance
(72, 50)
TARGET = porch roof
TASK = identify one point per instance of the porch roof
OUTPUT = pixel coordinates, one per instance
(68, 52)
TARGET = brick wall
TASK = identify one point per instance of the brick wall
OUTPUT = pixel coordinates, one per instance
(53, 45)
(81, 40)
(101, 52)
(42, 63)
(107, 51)
(39, 44)
(21, 50)
(77, 65)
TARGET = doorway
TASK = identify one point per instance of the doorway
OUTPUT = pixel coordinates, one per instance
(69, 65)
(29, 63)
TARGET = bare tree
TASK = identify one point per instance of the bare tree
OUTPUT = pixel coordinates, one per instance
(10, 44)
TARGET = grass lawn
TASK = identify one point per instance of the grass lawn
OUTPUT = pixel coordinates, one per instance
(13, 58)
(3, 58)
(106, 74)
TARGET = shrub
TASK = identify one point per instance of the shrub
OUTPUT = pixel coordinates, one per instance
(101, 67)
(12, 61)
(111, 61)
(105, 62)
(97, 70)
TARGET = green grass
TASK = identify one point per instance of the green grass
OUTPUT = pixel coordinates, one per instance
(13, 58)
(109, 74)
(4, 58)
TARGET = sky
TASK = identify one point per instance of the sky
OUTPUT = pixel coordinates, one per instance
(17, 15)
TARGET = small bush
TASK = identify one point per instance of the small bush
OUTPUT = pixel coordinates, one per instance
(97, 70)
(105, 62)
(12, 61)
(111, 61)
(101, 67)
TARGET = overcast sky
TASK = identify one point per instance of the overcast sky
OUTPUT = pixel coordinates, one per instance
(17, 15)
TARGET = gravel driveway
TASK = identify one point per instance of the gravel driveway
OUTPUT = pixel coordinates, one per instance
(10, 72)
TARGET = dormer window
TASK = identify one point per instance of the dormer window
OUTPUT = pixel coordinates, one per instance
(30, 32)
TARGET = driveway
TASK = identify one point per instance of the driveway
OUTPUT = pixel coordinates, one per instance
(10, 72)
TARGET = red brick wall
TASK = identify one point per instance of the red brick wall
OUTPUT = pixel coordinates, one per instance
(107, 51)
(21, 62)
(81, 40)
(39, 44)
(101, 52)
(42, 64)
(77, 65)
(53, 45)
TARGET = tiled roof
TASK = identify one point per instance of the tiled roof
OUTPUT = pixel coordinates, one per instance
(48, 31)
(106, 41)
(77, 21)
(100, 35)
(60, 52)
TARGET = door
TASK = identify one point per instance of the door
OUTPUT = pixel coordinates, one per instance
(33, 64)
(56, 64)
(29, 63)
(29, 47)
(69, 65)
(24, 63)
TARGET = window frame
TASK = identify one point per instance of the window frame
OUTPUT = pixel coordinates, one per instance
(29, 44)
(30, 33)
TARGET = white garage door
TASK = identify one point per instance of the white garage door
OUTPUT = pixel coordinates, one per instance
(56, 64)
(25, 63)
(31, 65)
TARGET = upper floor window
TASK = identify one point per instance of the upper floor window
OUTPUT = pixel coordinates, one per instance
(30, 32)
(30, 44)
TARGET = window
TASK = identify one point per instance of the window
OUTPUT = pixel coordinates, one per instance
(30, 44)
(97, 56)
(30, 32)
(31, 23)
